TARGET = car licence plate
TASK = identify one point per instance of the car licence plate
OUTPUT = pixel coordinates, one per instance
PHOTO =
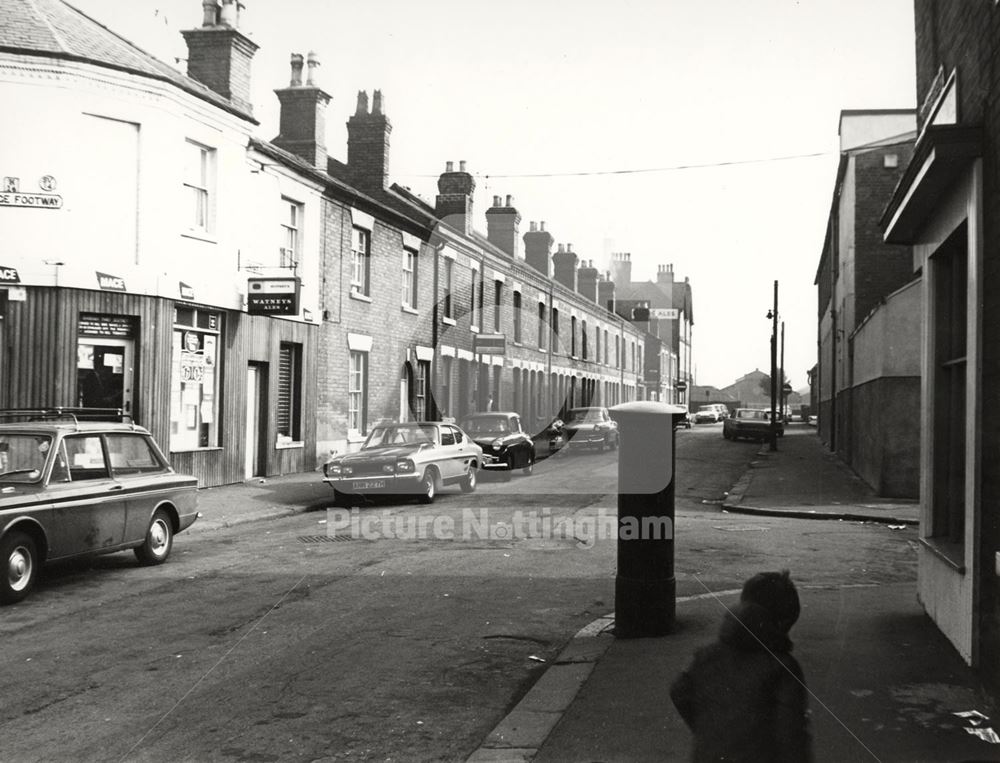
(369, 485)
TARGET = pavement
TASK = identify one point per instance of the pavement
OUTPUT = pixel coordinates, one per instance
(884, 683)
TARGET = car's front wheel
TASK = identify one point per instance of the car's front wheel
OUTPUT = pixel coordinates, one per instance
(159, 539)
(19, 556)
(428, 487)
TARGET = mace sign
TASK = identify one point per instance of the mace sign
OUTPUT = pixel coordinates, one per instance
(273, 296)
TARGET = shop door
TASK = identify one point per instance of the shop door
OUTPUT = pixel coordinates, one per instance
(256, 420)
(104, 373)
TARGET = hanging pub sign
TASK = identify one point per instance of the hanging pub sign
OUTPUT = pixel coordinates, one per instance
(273, 296)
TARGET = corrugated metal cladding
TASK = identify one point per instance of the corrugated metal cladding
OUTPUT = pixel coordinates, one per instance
(38, 368)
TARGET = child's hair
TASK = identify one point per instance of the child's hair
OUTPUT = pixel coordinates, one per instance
(775, 592)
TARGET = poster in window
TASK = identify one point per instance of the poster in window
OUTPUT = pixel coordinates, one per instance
(85, 356)
(209, 350)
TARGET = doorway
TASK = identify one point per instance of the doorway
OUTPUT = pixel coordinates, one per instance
(256, 420)
(104, 373)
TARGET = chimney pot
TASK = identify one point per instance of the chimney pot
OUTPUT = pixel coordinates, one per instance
(378, 103)
(461, 165)
(362, 108)
(230, 15)
(569, 247)
(210, 13)
(510, 200)
(312, 73)
(562, 247)
(296, 79)
(541, 225)
(449, 166)
(534, 227)
(496, 201)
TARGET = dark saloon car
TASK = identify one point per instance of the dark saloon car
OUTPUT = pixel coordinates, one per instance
(590, 427)
(751, 424)
(506, 446)
(413, 459)
(71, 488)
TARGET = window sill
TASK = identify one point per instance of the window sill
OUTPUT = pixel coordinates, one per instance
(952, 554)
(360, 297)
(448, 321)
(202, 236)
(289, 444)
(410, 310)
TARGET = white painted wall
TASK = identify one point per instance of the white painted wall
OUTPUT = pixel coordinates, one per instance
(115, 143)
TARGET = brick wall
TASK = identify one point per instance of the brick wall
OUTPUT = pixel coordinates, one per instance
(879, 269)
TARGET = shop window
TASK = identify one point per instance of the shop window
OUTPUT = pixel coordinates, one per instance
(949, 273)
(289, 413)
(195, 380)
(357, 392)
(361, 261)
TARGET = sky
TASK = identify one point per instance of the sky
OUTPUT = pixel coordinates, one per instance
(698, 134)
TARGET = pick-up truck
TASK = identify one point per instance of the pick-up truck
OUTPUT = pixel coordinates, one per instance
(751, 423)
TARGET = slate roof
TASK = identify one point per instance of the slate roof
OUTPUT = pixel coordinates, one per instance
(55, 29)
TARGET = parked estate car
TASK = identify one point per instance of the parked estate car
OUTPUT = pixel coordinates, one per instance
(752, 424)
(591, 427)
(72, 487)
(410, 459)
(506, 446)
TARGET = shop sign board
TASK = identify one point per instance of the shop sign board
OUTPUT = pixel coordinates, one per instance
(93, 324)
(489, 344)
(273, 296)
(109, 282)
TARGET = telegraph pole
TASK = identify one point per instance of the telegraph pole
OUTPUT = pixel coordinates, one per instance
(774, 370)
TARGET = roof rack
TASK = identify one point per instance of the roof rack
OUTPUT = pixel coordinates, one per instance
(65, 413)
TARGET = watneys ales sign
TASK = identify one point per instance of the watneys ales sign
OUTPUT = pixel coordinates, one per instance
(273, 296)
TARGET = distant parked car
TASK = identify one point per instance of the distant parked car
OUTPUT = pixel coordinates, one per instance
(71, 487)
(707, 414)
(413, 459)
(750, 424)
(591, 427)
(506, 446)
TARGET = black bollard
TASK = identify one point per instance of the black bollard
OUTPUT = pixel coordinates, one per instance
(645, 588)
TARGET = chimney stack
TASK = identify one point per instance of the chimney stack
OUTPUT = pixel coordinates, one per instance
(665, 275)
(586, 280)
(538, 249)
(368, 144)
(621, 269)
(606, 292)
(302, 127)
(454, 199)
(564, 266)
(219, 54)
(502, 221)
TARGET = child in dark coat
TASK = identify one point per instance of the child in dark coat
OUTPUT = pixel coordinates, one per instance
(744, 696)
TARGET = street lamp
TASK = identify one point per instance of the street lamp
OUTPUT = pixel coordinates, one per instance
(773, 315)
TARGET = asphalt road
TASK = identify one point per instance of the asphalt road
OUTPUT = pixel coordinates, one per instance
(404, 636)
